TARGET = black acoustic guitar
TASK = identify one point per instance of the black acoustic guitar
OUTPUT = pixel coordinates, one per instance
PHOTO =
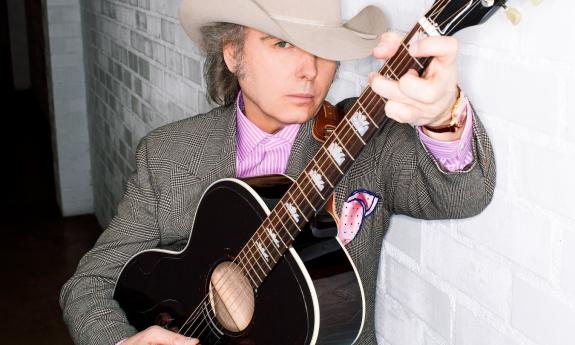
(271, 270)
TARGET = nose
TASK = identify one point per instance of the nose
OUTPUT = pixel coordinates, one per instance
(308, 66)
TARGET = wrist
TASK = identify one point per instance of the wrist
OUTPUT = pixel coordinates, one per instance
(454, 119)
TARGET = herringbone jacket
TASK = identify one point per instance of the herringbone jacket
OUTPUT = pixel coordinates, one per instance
(175, 163)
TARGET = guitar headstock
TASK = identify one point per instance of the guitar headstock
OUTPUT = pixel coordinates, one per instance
(446, 17)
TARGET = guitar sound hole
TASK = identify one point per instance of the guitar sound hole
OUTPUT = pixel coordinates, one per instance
(231, 297)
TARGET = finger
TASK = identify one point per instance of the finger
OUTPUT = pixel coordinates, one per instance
(419, 89)
(403, 113)
(444, 48)
(388, 45)
(386, 88)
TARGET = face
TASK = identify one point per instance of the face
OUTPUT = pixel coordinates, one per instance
(281, 83)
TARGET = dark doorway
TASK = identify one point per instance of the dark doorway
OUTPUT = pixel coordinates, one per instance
(41, 249)
(5, 58)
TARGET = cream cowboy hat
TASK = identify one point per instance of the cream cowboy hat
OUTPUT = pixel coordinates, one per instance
(313, 25)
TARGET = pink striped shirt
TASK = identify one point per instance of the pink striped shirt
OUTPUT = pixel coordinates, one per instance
(258, 152)
(261, 153)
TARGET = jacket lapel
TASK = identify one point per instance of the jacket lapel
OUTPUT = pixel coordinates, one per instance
(303, 149)
(218, 159)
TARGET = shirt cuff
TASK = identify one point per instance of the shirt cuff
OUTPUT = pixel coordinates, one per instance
(121, 341)
(453, 155)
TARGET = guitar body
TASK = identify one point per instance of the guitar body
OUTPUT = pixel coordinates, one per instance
(313, 294)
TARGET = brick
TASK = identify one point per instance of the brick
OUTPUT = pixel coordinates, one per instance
(174, 61)
(469, 328)
(193, 70)
(399, 326)
(144, 68)
(568, 260)
(541, 317)
(485, 89)
(141, 21)
(540, 43)
(405, 233)
(555, 190)
(154, 26)
(144, 4)
(570, 111)
(425, 300)
(484, 279)
(168, 33)
(514, 230)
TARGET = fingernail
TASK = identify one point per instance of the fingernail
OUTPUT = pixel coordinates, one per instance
(185, 341)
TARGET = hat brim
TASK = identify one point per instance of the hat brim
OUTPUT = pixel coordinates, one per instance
(354, 39)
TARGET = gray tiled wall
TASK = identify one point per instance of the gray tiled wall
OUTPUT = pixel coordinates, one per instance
(142, 71)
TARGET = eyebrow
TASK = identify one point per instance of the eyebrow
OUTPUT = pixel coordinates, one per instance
(267, 37)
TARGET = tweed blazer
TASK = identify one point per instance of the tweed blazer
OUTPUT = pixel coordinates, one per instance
(177, 162)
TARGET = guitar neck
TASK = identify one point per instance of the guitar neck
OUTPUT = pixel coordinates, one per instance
(318, 180)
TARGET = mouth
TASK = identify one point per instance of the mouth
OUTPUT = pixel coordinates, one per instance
(301, 98)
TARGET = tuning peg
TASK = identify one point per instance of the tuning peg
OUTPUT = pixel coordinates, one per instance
(513, 14)
(536, 2)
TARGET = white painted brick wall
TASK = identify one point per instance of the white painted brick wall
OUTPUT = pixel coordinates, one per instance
(509, 271)
(503, 277)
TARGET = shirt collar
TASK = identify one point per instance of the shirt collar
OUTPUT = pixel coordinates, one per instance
(249, 135)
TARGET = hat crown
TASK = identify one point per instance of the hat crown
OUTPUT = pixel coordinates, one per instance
(320, 12)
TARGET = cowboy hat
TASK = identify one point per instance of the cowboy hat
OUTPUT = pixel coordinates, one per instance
(313, 25)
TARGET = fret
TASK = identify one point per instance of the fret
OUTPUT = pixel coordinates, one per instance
(366, 113)
(285, 227)
(392, 72)
(278, 232)
(273, 236)
(245, 269)
(305, 196)
(316, 180)
(355, 131)
(253, 269)
(313, 185)
(265, 246)
(322, 174)
(343, 146)
(411, 57)
(263, 271)
(360, 123)
(263, 253)
(250, 276)
(295, 203)
(292, 212)
(332, 159)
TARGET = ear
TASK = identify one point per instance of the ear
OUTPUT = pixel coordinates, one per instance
(230, 56)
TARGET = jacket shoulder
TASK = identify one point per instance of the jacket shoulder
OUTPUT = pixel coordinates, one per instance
(177, 141)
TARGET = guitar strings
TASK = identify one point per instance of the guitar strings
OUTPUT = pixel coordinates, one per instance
(344, 134)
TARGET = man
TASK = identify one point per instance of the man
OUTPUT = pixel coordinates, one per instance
(270, 65)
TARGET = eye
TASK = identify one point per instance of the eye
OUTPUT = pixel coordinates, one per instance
(283, 44)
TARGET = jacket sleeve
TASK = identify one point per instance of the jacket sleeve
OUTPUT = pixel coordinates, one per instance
(91, 313)
(413, 182)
